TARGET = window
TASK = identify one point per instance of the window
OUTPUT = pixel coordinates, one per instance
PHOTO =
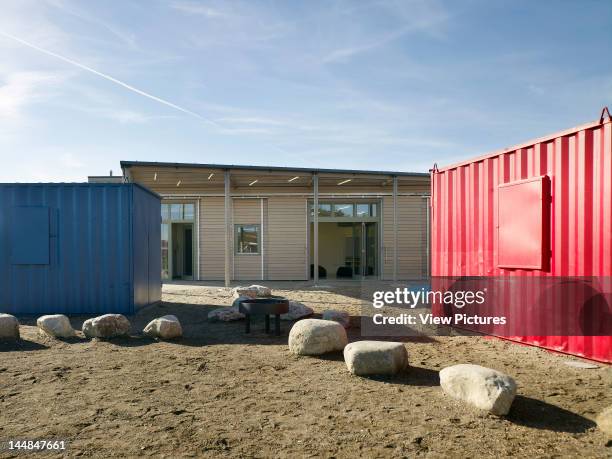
(178, 212)
(247, 239)
(325, 210)
(349, 211)
(343, 210)
(188, 211)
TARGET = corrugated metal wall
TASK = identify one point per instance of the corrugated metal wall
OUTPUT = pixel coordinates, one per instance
(90, 267)
(464, 216)
(146, 259)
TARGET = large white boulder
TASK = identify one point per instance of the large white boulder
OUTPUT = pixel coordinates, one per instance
(315, 337)
(297, 311)
(166, 327)
(375, 357)
(225, 314)
(106, 326)
(478, 386)
(342, 317)
(604, 422)
(9, 327)
(55, 325)
(252, 291)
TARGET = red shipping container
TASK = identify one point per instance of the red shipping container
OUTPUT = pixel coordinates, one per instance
(542, 208)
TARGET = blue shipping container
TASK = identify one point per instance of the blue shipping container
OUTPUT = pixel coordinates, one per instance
(79, 248)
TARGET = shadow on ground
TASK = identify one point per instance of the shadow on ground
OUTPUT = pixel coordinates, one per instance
(537, 414)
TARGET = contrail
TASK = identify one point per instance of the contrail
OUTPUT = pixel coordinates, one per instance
(108, 77)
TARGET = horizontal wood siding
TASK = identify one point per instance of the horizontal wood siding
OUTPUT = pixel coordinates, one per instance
(287, 238)
(411, 237)
(212, 238)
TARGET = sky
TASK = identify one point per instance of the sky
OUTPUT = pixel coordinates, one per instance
(381, 84)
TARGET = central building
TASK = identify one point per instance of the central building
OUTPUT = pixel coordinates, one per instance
(248, 223)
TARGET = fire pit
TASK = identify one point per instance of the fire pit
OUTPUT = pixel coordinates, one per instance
(266, 307)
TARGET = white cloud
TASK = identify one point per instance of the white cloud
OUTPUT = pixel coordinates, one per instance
(197, 8)
(18, 90)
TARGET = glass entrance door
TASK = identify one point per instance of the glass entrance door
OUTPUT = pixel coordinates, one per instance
(363, 249)
(348, 242)
(369, 248)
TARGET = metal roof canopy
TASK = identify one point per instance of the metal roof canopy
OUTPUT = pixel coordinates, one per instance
(128, 164)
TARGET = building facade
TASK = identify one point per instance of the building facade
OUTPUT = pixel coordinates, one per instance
(222, 222)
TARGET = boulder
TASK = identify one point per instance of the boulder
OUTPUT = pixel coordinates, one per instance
(604, 422)
(166, 327)
(261, 290)
(106, 326)
(297, 311)
(252, 291)
(315, 337)
(9, 327)
(55, 325)
(478, 386)
(342, 317)
(375, 358)
(248, 292)
(226, 314)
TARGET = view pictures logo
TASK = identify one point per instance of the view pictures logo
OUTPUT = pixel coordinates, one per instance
(413, 298)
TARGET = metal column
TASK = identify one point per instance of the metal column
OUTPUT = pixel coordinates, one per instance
(395, 219)
(315, 224)
(227, 211)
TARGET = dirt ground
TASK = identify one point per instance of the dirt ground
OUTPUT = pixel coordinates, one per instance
(218, 392)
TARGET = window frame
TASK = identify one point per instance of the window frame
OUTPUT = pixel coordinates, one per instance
(257, 226)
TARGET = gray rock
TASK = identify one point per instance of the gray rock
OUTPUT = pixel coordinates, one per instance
(261, 290)
(342, 317)
(106, 326)
(166, 327)
(315, 337)
(604, 422)
(226, 314)
(55, 325)
(252, 291)
(480, 387)
(297, 311)
(9, 327)
(375, 358)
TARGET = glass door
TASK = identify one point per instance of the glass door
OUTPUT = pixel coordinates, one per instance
(357, 249)
(369, 251)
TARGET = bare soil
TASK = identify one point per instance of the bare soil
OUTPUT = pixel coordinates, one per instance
(220, 393)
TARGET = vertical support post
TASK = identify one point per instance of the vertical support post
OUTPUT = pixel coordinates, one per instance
(261, 238)
(196, 229)
(315, 224)
(227, 211)
(395, 220)
(428, 239)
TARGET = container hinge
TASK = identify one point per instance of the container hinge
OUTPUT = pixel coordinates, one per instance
(603, 112)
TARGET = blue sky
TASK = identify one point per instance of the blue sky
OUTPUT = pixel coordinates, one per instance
(394, 85)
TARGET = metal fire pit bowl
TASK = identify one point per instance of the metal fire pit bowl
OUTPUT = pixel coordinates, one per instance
(266, 307)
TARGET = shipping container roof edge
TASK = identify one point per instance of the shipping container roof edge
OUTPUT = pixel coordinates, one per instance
(84, 184)
(128, 164)
(529, 143)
